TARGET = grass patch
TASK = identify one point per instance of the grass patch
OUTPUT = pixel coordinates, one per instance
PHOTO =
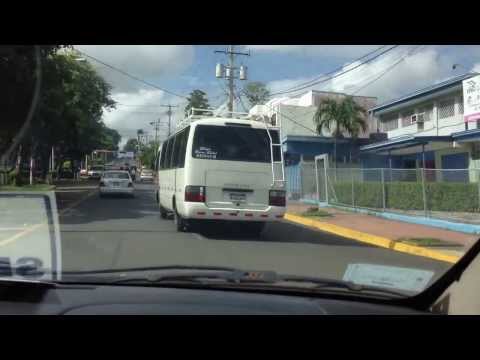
(315, 212)
(36, 187)
(423, 241)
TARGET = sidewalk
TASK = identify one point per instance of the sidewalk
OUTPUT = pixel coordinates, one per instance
(456, 242)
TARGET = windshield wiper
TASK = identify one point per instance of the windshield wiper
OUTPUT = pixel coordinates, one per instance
(211, 276)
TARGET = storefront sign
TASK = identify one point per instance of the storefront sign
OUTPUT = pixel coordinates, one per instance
(471, 99)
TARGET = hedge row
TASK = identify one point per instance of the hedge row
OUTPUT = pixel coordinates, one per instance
(441, 196)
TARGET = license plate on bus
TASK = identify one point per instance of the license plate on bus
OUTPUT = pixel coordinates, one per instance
(238, 196)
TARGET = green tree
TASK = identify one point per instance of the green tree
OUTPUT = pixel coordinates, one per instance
(198, 99)
(339, 117)
(147, 156)
(71, 109)
(131, 145)
(20, 72)
(256, 93)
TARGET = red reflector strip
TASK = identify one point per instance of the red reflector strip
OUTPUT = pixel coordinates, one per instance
(200, 212)
(217, 213)
(233, 214)
(249, 215)
(263, 215)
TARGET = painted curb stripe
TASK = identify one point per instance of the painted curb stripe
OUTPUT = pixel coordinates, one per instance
(372, 239)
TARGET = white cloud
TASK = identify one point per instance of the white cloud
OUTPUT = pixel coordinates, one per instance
(280, 85)
(327, 51)
(143, 108)
(418, 70)
(144, 61)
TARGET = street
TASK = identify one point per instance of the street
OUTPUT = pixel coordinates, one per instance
(117, 232)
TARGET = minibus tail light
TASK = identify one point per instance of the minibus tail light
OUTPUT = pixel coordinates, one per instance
(195, 193)
(277, 198)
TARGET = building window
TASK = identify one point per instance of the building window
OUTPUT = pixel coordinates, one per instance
(446, 108)
(407, 118)
(389, 123)
(427, 110)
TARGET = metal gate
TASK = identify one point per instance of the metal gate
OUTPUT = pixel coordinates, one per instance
(321, 166)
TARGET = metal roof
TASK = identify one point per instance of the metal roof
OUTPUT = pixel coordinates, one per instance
(466, 135)
(422, 92)
(402, 142)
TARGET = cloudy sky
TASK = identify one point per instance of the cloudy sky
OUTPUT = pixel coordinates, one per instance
(180, 69)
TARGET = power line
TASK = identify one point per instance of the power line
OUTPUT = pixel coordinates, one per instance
(408, 53)
(130, 75)
(338, 74)
(335, 70)
(364, 86)
(388, 69)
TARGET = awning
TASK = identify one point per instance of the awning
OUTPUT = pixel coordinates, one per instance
(408, 144)
(467, 136)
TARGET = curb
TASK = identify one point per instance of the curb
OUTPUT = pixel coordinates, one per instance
(372, 239)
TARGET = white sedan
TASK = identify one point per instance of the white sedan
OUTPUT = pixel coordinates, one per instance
(146, 175)
(116, 182)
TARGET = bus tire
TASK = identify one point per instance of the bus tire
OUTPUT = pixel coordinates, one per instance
(163, 212)
(180, 223)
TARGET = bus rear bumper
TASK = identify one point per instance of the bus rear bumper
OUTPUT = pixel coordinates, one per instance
(201, 211)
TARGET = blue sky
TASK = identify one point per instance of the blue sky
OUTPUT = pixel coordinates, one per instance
(183, 68)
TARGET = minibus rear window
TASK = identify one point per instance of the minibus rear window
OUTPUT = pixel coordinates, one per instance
(232, 143)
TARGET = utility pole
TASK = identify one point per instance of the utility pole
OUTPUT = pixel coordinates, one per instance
(228, 72)
(156, 125)
(169, 113)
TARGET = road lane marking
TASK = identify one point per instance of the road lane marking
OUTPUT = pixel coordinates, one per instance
(372, 239)
(37, 226)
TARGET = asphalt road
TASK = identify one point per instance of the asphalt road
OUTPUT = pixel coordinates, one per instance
(108, 233)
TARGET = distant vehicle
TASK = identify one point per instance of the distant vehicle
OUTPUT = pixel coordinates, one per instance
(116, 182)
(83, 173)
(66, 174)
(146, 175)
(96, 171)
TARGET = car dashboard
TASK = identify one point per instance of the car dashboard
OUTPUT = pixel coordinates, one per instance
(140, 300)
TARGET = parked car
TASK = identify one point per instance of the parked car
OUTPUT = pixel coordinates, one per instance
(146, 175)
(96, 172)
(116, 182)
(83, 173)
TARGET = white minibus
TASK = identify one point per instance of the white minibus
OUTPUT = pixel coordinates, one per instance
(221, 169)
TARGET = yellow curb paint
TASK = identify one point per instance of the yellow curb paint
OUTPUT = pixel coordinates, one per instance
(36, 226)
(372, 239)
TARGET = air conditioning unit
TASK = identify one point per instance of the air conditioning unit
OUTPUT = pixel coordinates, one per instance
(417, 118)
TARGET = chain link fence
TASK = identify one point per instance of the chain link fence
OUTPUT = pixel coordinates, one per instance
(439, 193)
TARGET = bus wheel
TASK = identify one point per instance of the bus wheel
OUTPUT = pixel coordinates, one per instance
(163, 212)
(180, 223)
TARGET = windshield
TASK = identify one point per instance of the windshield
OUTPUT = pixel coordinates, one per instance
(374, 178)
(115, 175)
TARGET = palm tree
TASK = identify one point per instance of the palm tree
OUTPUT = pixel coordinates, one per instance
(339, 117)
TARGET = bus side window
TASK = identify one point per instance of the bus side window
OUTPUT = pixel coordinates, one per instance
(183, 148)
(176, 149)
(162, 157)
(166, 162)
(169, 156)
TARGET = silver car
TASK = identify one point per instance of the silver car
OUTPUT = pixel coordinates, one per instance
(116, 182)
